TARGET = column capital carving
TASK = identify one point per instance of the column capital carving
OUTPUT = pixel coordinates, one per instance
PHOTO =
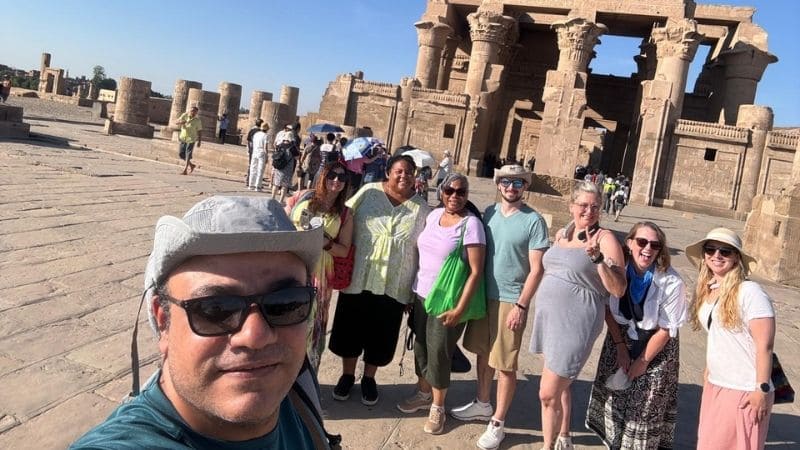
(745, 61)
(432, 34)
(491, 27)
(678, 38)
(576, 40)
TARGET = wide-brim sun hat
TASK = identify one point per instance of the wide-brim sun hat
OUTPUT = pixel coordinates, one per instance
(512, 171)
(694, 252)
(223, 225)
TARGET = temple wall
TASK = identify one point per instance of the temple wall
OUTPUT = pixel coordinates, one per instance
(776, 167)
(159, 110)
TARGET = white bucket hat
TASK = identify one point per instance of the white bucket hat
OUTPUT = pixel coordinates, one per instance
(512, 171)
(695, 251)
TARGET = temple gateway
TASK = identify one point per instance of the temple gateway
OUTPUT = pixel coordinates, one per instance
(512, 79)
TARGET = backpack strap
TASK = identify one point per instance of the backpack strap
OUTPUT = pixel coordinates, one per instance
(304, 396)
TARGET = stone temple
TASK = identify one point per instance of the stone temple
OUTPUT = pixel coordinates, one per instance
(512, 79)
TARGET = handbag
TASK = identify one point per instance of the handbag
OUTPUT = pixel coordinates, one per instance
(449, 284)
(783, 390)
(342, 265)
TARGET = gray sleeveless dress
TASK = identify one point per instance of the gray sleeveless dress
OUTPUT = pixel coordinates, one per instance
(569, 310)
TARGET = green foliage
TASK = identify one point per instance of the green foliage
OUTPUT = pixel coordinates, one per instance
(98, 75)
(108, 83)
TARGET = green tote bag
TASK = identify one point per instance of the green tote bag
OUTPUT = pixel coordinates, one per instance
(449, 284)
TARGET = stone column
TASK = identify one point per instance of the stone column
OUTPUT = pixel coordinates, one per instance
(289, 97)
(398, 137)
(230, 97)
(274, 114)
(759, 120)
(257, 98)
(179, 98)
(132, 108)
(646, 70)
(662, 99)
(488, 31)
(207, 103)
(564, 98)
(743, 66)
(446, 63)
(431, 38)
(42, 68)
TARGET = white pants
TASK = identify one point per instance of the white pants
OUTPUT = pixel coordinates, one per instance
(257, 163)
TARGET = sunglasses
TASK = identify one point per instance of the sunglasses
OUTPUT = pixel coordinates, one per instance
(219, 315)
(460, 192)
(516, 183)
(590, 206)
(642, 243)
(726, 252)
(341, 176)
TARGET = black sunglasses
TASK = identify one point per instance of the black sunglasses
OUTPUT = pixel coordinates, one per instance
(726, 252)
(218, 315)
(337, 176)
(642, 243)
(461, 192)
(516, 183)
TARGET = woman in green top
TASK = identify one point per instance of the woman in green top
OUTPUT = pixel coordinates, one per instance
(326, 201)
(387, 218)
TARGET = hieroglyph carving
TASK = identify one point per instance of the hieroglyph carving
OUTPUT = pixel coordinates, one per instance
(372, 87)
(576, 40)
(678, 38)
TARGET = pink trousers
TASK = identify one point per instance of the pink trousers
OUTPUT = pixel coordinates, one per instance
(725, 425)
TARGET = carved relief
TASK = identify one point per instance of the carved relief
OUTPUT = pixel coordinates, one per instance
(576, 40)
(437, 96)
(710, 129)
(491, 27)
(678, 38)
(374, 87)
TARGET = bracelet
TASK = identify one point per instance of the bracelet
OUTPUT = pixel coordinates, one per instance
(524, 308)
(597, 259)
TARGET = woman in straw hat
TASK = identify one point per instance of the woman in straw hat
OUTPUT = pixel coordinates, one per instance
(740, 321)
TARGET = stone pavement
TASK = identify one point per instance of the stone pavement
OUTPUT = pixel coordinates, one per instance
(76, 223)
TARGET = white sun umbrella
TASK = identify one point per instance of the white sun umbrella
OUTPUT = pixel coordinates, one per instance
(421, 158)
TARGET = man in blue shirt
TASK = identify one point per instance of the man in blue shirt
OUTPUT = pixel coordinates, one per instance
(228, 295)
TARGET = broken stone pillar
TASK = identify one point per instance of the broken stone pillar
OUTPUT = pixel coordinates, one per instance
(132, 108)
(743, 67)
(431, 38)
(398, 138)
(662, 99)
(446, 64)
(275, 115)
(289, 97)
(564, 97)
(11, 124)
(646, 70)
(759, 120)
(42, 69)
(207, 104)
(257, 98)
(230, 97)
(59, 85)
(180, 96)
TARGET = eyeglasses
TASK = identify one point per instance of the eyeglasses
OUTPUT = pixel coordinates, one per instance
(725, 252)
(590, 206)
(219, 315)
(341, 176)
(642, 243)
(460, 192)
(516, 183)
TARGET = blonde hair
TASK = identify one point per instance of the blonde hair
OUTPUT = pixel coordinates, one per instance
(663, 259)
(727, 292)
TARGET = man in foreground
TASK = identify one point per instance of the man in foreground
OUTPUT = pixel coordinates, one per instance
(228, 295)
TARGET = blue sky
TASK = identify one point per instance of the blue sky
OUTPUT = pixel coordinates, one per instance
(305, 43)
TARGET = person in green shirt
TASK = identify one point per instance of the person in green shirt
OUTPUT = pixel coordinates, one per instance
(191, 134)
(228, 295)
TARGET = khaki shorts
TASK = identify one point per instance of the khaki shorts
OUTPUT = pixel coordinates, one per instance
(490, 336)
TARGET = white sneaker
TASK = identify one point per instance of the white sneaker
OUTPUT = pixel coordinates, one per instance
(474, 410)
(564, 443)
(493, 436)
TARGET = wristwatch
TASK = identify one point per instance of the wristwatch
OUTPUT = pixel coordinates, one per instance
(764, 387)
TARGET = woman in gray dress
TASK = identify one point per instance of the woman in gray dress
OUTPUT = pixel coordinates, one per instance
(581, 269)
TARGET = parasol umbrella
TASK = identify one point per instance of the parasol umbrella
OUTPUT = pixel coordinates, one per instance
(421, 158)
(359, 148)
(325, 128)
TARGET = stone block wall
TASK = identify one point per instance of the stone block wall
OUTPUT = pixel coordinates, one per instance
(772, 235)
(159, 110)
(11, 125)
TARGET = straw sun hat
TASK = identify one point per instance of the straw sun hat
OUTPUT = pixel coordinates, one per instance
(695, 251)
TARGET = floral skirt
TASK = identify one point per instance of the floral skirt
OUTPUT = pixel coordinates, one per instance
(642, 416)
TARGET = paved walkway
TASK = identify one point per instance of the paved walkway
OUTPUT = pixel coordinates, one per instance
(76, 225)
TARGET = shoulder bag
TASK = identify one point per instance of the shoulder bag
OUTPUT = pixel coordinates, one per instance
(342, 265)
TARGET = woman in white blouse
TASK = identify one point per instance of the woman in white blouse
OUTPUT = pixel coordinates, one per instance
(642, 345)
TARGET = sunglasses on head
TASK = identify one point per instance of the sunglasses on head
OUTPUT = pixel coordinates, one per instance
(726, 252)
(219, 315)
(461, 192)
(341, 176)
(516, 183)
(642, 243)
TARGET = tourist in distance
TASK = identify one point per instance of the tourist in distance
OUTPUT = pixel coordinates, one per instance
(516, 240)
(375, 170)
(258, 160)
(580, 270)
(282, 172)
(620, 198)
(327, 202)
(740, 320)
(638, 407)
(228, 296)
(224, 122)
(388, 218)
(444, 168)
(436, 336)
(189, 137)
(310, 162)
(256, 128)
